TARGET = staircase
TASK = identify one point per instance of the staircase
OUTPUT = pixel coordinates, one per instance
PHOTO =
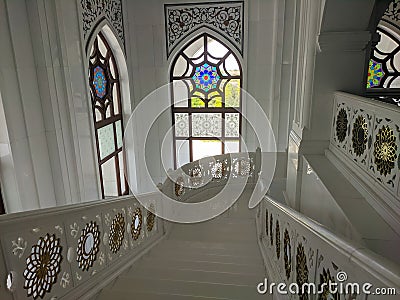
(217, 259)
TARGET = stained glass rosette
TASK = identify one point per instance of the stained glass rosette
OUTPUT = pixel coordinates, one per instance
(206, 77)
(375, 74)
(99, 81)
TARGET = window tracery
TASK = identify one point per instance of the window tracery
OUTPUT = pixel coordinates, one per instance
(206, 79)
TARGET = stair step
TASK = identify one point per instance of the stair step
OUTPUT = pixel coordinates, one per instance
(129, 295)
(201, 256)
(232, 237)
(155, 272)
(210, 248)
(184, 288)
(235, 268)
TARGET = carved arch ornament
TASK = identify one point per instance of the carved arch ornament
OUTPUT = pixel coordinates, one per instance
(225, 18)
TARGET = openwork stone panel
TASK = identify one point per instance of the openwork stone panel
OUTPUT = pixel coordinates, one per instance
(371, 140)
(226, 18)
(179, 187)
(271, 235)
(287, 254)
(301, 269)
(385, 151)
(325, 278)
(150, 218)
(117, 233)
(49, 255)
(341, 126)
(88, 246)
(43, 266)
(278, 240)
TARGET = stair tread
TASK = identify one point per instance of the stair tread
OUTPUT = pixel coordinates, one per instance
(237, 268)
(155, 272)
(185, 288)
(229, 247)
(210, 257)
(108, 294)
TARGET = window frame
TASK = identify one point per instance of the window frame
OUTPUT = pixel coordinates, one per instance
(113, 82)
(190, 110)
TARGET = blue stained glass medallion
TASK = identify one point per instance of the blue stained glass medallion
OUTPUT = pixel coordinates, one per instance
(99, 81)
(206, 77)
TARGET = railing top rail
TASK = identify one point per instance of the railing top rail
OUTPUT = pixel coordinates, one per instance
(370, 102)
(69, 208)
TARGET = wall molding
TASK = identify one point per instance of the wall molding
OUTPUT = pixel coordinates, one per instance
(343, 41)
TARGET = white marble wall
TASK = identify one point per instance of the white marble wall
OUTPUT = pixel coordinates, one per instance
(330, 57)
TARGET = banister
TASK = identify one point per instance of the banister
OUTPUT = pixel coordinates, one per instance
(305, 244)
(84, 245)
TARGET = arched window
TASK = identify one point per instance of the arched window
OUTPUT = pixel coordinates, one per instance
(383, 79)
(208, 76)
(105, 93)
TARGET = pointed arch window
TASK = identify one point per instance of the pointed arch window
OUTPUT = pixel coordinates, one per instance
(105, 93)
(206, 79)
(383, 69)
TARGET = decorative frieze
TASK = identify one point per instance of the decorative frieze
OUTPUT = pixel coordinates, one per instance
(226, 18)
(93, 11)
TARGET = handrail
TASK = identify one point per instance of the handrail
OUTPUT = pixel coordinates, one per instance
(71, 252)
(211, 172)
(298, 249)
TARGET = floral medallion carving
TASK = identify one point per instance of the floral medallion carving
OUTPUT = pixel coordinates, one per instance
(301, 270)
(196, 175)
(218, 170)
(88, 246)
(287, 254)
(326, 278)
(224, 17)
(137, 220)
(385, 150)
(43, 266)
(271, 236)
(277, 240)
(179, 188)
(117, 233)
(242, 167)
(359, 135)
(341, 125)
(150, 219)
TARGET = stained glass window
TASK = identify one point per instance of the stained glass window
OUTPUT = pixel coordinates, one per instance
(206, 92)
(383, 69)
(105, 93)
